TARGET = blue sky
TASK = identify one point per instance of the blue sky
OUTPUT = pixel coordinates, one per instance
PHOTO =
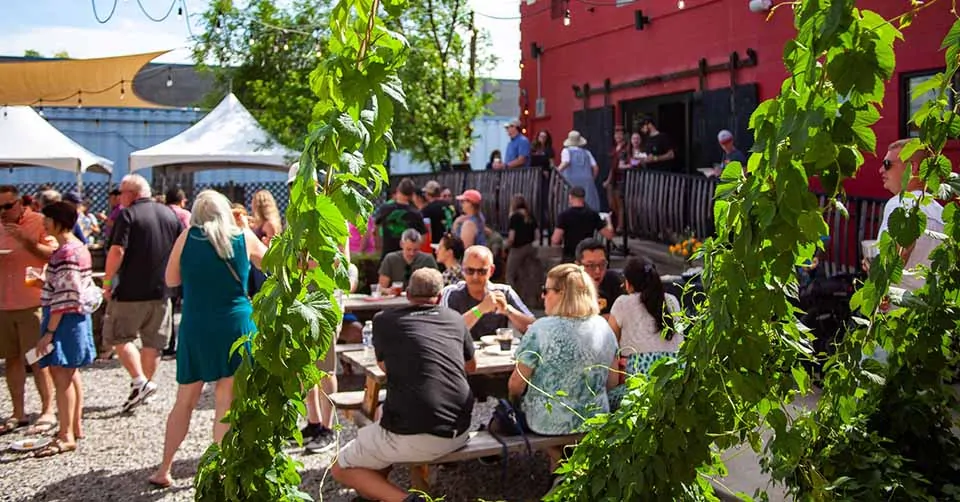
(50, 26)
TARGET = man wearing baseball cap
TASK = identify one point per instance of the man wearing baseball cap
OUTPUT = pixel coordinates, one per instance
(730, 151)
(518, 150)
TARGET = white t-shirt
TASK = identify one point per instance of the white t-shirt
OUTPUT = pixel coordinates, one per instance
(925, 244)
(638, 329)
(565, 154)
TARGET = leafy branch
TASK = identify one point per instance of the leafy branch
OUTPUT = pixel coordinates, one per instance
(356, 88)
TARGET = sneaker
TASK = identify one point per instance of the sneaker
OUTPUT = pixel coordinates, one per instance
(138, 393)
(309, 432)
(322, 442)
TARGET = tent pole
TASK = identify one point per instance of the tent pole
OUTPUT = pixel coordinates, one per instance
(79, 178)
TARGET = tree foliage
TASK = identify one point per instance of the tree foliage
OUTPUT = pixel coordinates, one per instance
(880, 432)
(444, 92)
(264, 52)
(356, 88)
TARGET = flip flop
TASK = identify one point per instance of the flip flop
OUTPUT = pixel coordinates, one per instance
(158, 484)
(41, 427)
(54, 448)
(11, 424)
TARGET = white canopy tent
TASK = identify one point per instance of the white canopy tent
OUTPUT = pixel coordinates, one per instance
(228, 136)
(27, 140)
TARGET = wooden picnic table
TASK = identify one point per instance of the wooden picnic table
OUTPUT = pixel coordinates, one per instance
(366, 303)
(366, 360)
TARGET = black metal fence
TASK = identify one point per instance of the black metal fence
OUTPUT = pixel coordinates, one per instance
(659, 206)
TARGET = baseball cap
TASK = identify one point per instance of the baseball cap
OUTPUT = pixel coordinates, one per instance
(578, 192)
(432, 188)
(73, 197)
(724, 136)
(513, 123)
(471, 196)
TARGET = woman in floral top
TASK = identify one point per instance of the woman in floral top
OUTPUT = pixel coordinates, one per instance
(450, 254)
(566, 357)
(68, 298)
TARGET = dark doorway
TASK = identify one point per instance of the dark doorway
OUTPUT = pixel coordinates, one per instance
(671, 114)
(720, 109)
(596, 125)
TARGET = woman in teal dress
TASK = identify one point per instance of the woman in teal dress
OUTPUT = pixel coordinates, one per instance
(211, 260)
(566, 358)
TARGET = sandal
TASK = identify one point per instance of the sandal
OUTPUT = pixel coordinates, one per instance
(41, 427)
(55, 448)
(11, 424)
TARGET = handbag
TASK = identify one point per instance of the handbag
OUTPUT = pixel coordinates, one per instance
(91, 298)
(508, 421)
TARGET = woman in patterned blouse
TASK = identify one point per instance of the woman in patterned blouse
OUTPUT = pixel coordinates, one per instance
(67, 302)
(565, 357)
(449, 254)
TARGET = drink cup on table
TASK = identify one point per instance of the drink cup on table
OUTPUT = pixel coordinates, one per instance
(396, 288)
(375, 291)
(504, 337)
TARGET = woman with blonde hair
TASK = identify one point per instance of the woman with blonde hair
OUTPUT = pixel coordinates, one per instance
(266, 216)
(565, 357)
(211, 260)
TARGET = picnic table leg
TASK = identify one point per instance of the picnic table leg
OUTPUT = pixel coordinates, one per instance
(420, 477)
(371, 399)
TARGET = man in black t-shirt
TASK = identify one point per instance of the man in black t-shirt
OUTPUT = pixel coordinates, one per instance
(140, 243)
(592, 256)
(396, 216)
(577, 223)
(426, 351)
(657, 146)
(441, 212)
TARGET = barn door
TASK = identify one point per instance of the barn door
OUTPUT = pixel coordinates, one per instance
(714, 111)
(596, 125)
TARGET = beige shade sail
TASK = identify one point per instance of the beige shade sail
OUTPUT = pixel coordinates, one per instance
(73, 82)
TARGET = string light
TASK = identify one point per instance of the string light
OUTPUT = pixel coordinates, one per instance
(169, 77)
(79, 99)
(286, 46)
(123, 93)
(179, 13)
(566, 17)
(681, 4)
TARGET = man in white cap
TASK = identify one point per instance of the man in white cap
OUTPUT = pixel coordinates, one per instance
(518, 149)
(730, 152)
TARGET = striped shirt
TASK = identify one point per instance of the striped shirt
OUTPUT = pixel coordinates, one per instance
(69, 275)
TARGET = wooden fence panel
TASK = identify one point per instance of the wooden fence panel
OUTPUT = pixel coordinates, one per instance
(488, 184)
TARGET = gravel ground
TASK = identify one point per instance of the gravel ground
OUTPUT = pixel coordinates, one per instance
(121, 451)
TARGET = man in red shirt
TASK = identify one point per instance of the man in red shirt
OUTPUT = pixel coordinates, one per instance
(23, 243)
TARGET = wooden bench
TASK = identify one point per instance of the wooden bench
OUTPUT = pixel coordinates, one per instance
(483, 444)
(352, 401)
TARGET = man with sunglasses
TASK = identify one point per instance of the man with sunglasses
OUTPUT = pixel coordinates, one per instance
(23, 243)
(892, 171)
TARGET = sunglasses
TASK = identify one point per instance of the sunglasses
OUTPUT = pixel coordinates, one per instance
(544, 289)
(887, 164)
(595, 266)
(8, 206)
(475, 271)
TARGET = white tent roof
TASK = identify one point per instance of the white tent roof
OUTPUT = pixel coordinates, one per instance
(27, 139)
(228, 136)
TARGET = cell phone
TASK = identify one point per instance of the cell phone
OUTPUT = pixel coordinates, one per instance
(32, 356)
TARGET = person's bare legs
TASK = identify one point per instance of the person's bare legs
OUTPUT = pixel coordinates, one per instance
(16, 375)
(45, 386)
(149, 361)
(223, 396)
(130, 358)
(329, 386)
(78, 413)
(368, 483)
(66, 404)
(178, 424)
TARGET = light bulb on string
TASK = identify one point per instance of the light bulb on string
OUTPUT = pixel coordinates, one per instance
(123, 92)
(317, 50)
(566, 17)
(521, 65)
(169, 80)
(286, 46)
(79, 99)
(179, 13)
(681, 4)
(526, 112)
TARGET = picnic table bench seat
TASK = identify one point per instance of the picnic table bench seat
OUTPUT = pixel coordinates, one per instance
(483, 444)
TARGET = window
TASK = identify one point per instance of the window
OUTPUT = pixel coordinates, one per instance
(909, 106)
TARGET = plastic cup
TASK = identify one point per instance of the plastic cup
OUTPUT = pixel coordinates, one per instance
(504, 337)
(34, 277)
(397, 288)
(870, 249)
(375, 290)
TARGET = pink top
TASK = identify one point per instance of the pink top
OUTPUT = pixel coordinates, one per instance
(365, 243)
(182, 214)
(68, 277)
(14, 292)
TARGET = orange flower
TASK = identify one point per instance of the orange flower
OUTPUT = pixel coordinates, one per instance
(685, 252)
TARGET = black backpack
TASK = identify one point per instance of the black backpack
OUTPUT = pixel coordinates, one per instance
(508, 421)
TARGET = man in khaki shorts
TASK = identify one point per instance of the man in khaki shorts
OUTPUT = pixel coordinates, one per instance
(23, 243)
(426, 351)
(140, 243)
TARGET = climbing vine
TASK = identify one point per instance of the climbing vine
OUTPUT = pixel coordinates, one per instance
(740, 368)
(357, 89)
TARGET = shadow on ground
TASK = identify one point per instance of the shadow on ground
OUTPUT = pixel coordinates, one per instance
(102, 485)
